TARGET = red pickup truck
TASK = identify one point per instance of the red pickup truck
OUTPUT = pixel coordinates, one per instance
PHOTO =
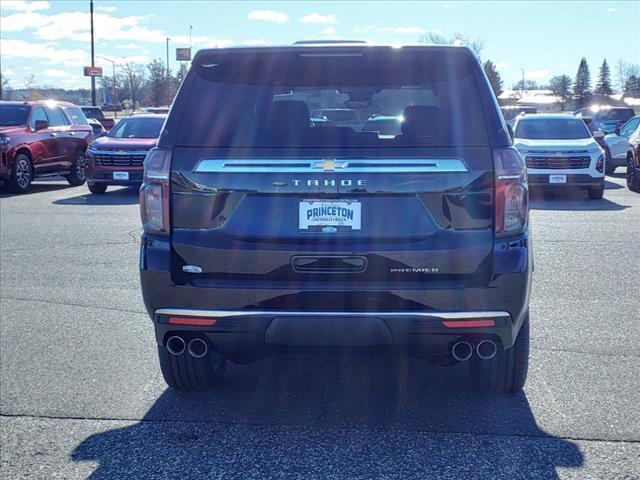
(42, 138)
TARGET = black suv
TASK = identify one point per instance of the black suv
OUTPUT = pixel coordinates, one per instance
(264, 234)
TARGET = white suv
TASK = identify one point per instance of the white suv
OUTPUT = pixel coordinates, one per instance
(560, 152)
(617, 143)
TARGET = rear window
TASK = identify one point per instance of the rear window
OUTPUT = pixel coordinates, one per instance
(267, 99)
(384, 126)
(93, 113)
(137, 128)
(551, 129)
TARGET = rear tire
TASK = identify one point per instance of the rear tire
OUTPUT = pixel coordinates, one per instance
(97, 188)
(507, 371)
(185, 373)
(21, 174)
(633, 181)
(78, 176)
(596, 193)
(609, 167)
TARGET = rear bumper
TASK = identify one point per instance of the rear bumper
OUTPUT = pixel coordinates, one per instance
(257, 334)
(256, 319)
(573, 180)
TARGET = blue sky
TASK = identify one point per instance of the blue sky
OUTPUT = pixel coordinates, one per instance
(51, 39)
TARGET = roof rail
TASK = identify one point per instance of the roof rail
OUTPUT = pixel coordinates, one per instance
(331, 42)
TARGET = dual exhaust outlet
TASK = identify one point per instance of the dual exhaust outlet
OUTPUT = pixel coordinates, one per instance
(463, 351)
(197, 347)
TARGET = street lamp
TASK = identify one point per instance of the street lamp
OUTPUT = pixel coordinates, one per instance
(114, 100)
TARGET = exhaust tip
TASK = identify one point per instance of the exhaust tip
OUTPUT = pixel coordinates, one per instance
(198, 348)
(176, 345)
(486, 349)
(462, 351)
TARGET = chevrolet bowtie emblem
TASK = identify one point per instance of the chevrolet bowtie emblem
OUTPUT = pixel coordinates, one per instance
(329, 165)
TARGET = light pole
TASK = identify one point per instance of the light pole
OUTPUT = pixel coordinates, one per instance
(167, 58)
(114, 100)
(93, 60)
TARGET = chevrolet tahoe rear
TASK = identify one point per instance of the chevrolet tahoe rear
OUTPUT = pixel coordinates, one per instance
(265, 234)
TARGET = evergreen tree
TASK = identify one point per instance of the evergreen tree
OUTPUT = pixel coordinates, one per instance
(582, 85)
(494, 77)
(632, 87)
(603, 85)
(561, 87)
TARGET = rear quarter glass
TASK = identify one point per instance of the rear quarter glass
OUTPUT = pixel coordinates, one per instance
(455, 107)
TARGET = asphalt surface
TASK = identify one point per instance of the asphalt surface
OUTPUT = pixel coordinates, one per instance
(81, 394)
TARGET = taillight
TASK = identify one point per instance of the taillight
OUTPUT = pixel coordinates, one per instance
(154, 192)
(600, 164)
(512, 192)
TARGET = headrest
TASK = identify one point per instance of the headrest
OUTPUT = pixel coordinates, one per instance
(288, 115)
(420, 120)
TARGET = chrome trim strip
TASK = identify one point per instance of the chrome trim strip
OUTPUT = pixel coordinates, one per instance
(390, 165)
(117, 152)
(286, 313)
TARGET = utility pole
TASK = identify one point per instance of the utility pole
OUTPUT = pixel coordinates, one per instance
(93, 59)
(167, 58)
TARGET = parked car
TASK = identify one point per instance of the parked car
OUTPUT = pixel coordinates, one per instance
(117, 158)
(617, 144)
(96, 126)
(560, 152)
(39, 139)
(96, 112)
(264, 234)
(607, 118)
(384, 125)
(633, 160)
(339, 117)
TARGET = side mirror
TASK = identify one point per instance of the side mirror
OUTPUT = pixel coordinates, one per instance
(40, 125)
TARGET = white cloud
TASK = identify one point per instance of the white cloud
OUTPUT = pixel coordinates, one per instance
(21, 6)
(129, 46)
(268, 16)
(611, 9)
(54, 72)
(106, 8)
(134, 59)
(536, 74)
(400, 30)
(329, 31)
(409, 30)
(17, 22)
(317, 18)
(257, 41)
(47, 53)
(7, 71)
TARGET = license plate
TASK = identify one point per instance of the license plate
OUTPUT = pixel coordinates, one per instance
(557, 179)
(121, 175)
(330, 215)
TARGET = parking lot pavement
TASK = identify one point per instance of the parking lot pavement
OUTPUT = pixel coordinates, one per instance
(81, 393)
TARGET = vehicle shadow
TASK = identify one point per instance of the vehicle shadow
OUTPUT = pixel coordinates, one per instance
(550, 199)
(113, 196)
(36, 187)
(302, 418)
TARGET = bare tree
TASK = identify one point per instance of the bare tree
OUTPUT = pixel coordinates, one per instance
(476, 44)
(620, 74)
(133, 76)
(158, 85)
